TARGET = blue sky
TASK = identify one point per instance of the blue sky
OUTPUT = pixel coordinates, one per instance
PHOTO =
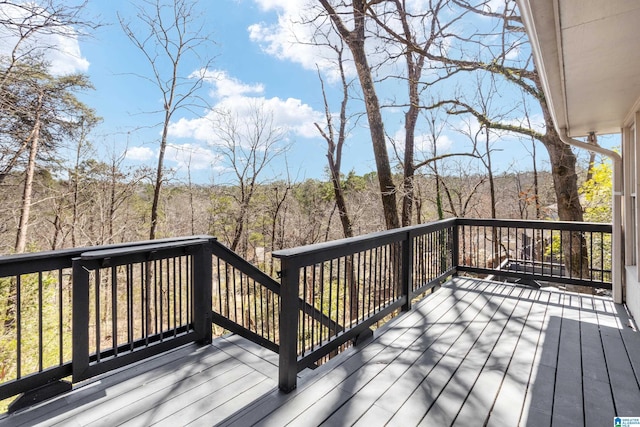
(242, 71)
(255, 62)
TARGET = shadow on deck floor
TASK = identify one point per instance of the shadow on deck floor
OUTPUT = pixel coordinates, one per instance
(473, 353)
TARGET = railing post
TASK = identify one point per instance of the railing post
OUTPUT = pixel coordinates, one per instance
(289, 310)
(407, 270)
(80, 320)
(455, 249)
(202, 284)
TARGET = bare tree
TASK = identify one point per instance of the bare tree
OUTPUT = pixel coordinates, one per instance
(248, 144)
(86, 124)
(171, 37)
(118, 186)
(355, 15)
(26, 28)
(461, 189)
(534, 164)
(335, 138)
(394, 13)
(278, 215)
(498, 53)
(55, 114)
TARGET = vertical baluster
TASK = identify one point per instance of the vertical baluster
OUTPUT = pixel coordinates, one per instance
(321, 332)
(130, 311)
(338, 287)
(302, 318)
(177, 297)
(234, 293)
(374, 283)
(355, 315)
(261, 316)
(330, 305)
(40, 321)
(590, 255)
(146, 301)
(161, 284)
(60, 320)
(97, 313)
(114, 310)
(173, 297)
(255, 307)
(601, 259)
(369, 287)
(223, 286)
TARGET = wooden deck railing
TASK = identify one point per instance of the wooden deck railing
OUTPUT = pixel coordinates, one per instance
(356, 282)
(78, 313)
(81, 312)
(359, 281)
(569, 253)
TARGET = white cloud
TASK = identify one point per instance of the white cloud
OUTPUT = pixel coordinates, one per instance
(293, 115)
(291, 37)
(424, 142)
(198, 128)
(66, 58)
(227, 86)
(303, 30)
(279, 5)
(60, 48)
(191, 156)
(494, 6)
(140, 153)
(290, 115)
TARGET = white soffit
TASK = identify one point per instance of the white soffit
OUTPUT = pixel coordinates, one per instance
(588, 55)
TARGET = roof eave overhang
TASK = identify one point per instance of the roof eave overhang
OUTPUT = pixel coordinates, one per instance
(542, 26)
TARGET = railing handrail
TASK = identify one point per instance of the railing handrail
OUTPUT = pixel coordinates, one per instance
(32, 262)
(538, 224)
(59, 253)
(369, 240)
(144, 248)
(245, 267)
(322, 251)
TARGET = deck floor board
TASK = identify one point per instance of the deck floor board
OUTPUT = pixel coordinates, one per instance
(475, 352)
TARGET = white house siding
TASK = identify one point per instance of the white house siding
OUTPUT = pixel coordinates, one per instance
(631, 157)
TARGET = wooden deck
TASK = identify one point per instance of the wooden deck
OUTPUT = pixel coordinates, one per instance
(474, 353)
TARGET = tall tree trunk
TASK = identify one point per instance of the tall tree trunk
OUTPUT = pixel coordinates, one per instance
(21, 238)
(565, 179)
(75, 195)
(592, 156)
(334, 148)
(414, 71)
(112, 200)
(159, 179)
(536, 186)
(378, 139)
(411, 118)
(356, 41)
(240, 224)
(57, 232)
